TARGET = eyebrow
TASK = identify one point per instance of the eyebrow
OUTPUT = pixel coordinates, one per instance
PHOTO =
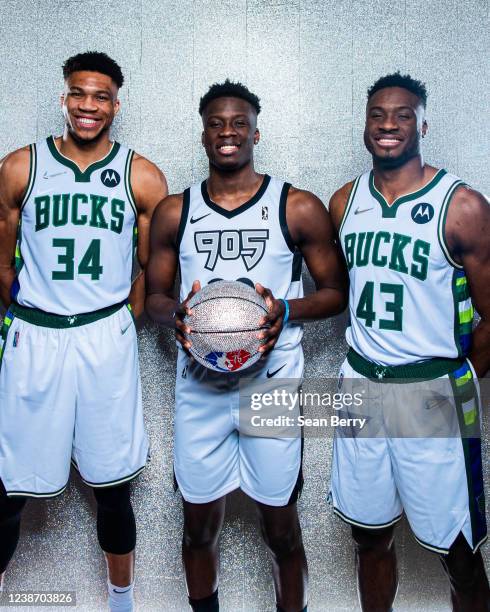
(403, 107)
(98, 91)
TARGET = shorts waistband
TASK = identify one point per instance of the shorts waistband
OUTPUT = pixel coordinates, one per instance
(47, 319)
(425, 370)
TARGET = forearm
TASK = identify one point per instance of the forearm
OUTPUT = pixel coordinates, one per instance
(137, 295)
(7, 277)
(161, 308)
(323, 303)
(480, 348)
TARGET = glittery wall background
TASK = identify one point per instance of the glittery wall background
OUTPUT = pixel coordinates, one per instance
(311, 63)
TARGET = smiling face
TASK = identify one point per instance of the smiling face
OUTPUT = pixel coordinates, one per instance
(394, 126)
(89, 102)
(230, 132)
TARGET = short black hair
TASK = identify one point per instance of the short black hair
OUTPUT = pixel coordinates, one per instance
(400, 80)
(229, 89)
(94, 61)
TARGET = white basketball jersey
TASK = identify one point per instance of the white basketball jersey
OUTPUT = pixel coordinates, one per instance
(409, 301)
(251, 243)
(77, 232)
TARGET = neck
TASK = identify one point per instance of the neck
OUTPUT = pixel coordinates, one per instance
(226, 184)
(84, 153)
(393, 182)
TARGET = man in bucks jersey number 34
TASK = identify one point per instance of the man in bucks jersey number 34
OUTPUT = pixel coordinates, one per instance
(69, 378)
(240, 225)
(416, 244)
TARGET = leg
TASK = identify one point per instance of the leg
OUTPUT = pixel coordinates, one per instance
(466, 571)
(377, 576)
(116, 530)
(10, 513)
(282, 533)
(202, 526)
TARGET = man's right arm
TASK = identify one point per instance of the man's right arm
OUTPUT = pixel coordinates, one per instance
(160, 303)
(337, 204)
(14, 176)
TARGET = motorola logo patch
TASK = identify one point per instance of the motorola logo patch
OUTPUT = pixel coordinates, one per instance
(110, 178)
(422, 212)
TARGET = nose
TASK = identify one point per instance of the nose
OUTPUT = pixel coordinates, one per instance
(389, 122)
(88, 104)
(227, 129)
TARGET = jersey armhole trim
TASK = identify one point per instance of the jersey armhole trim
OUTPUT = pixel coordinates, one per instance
(32, 174)
(350, 199)
(127, 182)
(442, 224)
(183, 217)
(282, 217)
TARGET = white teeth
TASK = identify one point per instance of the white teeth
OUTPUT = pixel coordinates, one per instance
(228, 147)
(86, 121)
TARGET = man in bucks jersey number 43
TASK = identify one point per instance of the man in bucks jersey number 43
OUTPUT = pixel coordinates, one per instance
(70, 209)
(240, 225)
(416, 244)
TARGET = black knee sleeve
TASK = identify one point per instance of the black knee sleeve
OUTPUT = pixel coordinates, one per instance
(207, 604)
(116, 527)
(10, 512)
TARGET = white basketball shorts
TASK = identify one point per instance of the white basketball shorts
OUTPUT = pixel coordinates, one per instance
(211, 456)
(69, 390)
(437, 481)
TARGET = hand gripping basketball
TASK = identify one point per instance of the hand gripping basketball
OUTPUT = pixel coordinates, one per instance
(182, 329)
(272, 321)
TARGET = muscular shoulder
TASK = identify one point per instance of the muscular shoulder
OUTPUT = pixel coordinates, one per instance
(302, 202)
(468, 220)
(147, 181)
(167, 216)
(338, 202)
(305, 214)
(14, 174)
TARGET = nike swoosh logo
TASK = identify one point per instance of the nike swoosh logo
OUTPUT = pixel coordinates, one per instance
(358, 210)
(271, 374)
(123, 331)
(199, 218)
(125, 590)
(48, 176)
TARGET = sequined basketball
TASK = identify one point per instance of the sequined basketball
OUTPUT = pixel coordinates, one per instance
(225, 324)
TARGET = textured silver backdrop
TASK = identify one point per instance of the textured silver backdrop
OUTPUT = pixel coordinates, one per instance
(310, 61)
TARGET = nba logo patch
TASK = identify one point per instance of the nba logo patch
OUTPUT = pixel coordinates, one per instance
(265, 213)
(16, 339)
(228, 362)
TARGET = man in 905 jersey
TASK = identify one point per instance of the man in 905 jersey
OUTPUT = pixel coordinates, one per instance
(415, 240)
(240, 225)
(73, 210)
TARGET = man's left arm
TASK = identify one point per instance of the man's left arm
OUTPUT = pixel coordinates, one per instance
(149, 187)
(312, 232)
(467, 235)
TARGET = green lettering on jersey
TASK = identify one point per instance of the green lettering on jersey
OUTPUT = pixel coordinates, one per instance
(97, 218)
(41, 204)
(421, 250)
(117, 212)
(60, 209)
(350, 242)
(364, 248)
(76, 199)
(397, 261)
(382, 260)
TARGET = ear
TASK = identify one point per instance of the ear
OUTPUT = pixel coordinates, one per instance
(256, 136)
(202, 138)
(425, 128)
(62, 99)
(117, 106)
